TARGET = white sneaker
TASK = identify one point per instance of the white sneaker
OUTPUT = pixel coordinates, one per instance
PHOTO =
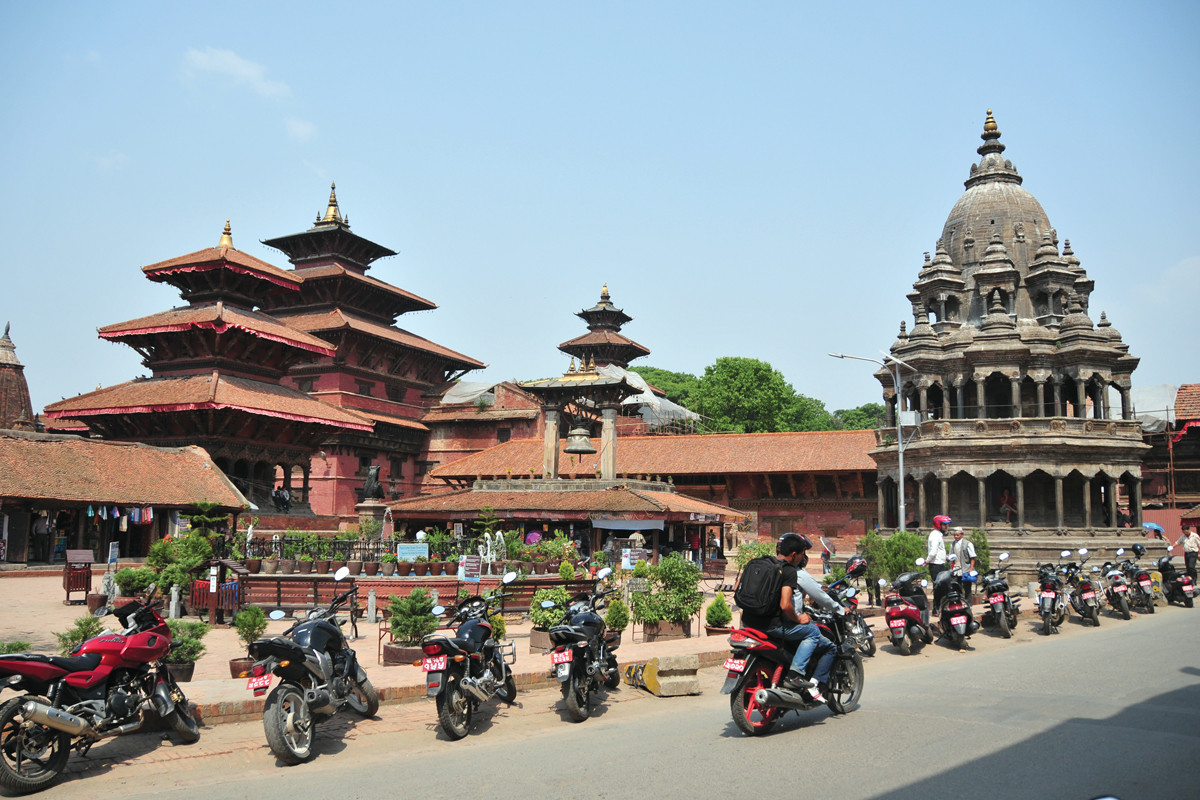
(816, 695)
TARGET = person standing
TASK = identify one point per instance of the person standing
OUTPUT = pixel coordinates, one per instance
(964, 558)
(935, 547)
(1190, 542)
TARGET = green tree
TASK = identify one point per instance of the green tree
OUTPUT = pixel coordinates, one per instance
(806, 414)
(866, 417)
(744, 395)
(680, 387)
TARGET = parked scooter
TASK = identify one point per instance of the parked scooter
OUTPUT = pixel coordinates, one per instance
(319, 676)
(103, 689)
(471, 667)
(1141, 584)
(1116, 593)
(907, 612)
(582, 657)
(1002, 608)
(1052, 596)
(1083, 592)
(1176, 586)
(956, 621)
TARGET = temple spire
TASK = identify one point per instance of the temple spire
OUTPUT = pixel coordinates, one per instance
(226, 237)
(332, 212)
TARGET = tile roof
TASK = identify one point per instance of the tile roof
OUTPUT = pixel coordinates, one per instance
(207, 391)
(391, 419)
(73, 469)
(218, 317)
(604, 337)
(472, 414)
(617, 500)
(223, 257)
(337, 270)
(1187, 402)
(340, 320)
(719, 454)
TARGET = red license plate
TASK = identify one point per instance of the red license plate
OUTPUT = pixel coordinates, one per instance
(259, 681)
(1120, 587)
(1089, 595)
(1144, 583)
(996, 598)
(1048, 595)
(433, 663)
(735, 664)
(561, 657)
(895, 623)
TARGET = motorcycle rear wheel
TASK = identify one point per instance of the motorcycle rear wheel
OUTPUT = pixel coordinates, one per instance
(363, 697)
(455, 709)
(744, 707)
(577, 694)
(1187, 600)
(845, 683)
(1148, 602)
(289, 724)
(30, 758)
(1123, 607)
(1094, 614)
(1046, 623)
(1002, 619)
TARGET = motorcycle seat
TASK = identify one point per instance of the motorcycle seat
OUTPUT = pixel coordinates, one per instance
(83, 663)
(567, 634)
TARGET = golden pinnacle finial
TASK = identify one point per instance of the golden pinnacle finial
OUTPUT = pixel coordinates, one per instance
(591, 364)
(990, 124)
(571, 369)
(332, 214)
(226, 237)
(604, 292)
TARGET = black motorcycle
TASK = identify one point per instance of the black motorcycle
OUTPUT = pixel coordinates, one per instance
(1052, 597)
(1116, 593)
(1176, 586)
(1140, 583)
(1002, 608)
(957, 623)
(319, 676)
(1083, 591)
(469, 668)
(582, 658)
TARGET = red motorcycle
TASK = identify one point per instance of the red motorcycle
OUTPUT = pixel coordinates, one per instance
(103, 689)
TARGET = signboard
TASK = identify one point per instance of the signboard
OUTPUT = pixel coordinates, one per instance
(638, 584)
(458, 530)
(409, 552)
(212, 580)
(114, 550)
(469, 568)
(631, 555)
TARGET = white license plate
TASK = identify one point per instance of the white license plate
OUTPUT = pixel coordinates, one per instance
(958, 619)
(1089, 595)
(1188, 588)
(1120, 587)
(896, 623)
(996, 598)
(259, 681)
(561, 657)
(433, 663)
(564, 670)
(735, 664)
(1146, 584)
(1048, 595)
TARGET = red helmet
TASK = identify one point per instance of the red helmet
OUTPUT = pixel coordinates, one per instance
(941, 521)
(856, 566)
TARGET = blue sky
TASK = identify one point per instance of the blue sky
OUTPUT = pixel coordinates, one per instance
(749, 179)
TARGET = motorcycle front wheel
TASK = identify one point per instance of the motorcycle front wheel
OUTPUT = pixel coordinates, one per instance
(183, 722)
(866, 642)
(1123, 607)
(845, 683)
(749, 717)
(31, 756)
(1002, 618)
(454, 709)
(1094, 614)
(577, 693)
(363, 697)
(289, 724)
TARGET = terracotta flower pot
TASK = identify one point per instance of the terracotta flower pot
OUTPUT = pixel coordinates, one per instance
(253, 565)
(94, 601)
(712, 630)
(654, 631)
(539, 640)
(182, 673)
(388, 568)
(404, 568)
(355, 566)
(304, 567)
(336, 564)
(421, 568)
(239, 665)
(401, 654)
(370, 567)
(321, 566)
(287, 566)
(270, 566)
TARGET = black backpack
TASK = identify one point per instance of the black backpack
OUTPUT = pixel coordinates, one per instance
(761, 587)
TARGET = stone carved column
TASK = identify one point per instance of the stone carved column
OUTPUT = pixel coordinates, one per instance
(1087, 502)
(1021, 503)
(1015, 384)
(880, 507)
(1111, 498)
(1058, 501)
(921, 515)
(981, 485)
(550, 443)
(608, 443)
(923, 399)
(1080, 400)
(1135, 503)
(980, 399)
(1058, 399)
(960, 392)
(945, 482)
(1126, 410)
(1041, 398)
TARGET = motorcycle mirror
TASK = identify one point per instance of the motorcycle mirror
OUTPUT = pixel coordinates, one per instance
(952, 558)
(341, 574)
(604, 573)
(920, 562)
(851, 592)
(1095, 568)
(509, 577)
(883, 581)
(1083, 551)
(1120, 551)
(548, 604)
(102, 611)
(437, 611)
(1004, 556)
(277, 614)
(1065, 554)
(924, 583)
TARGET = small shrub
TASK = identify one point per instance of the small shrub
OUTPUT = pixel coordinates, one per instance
(566, 571)
(133, 580)
(618, 615)
(83, 629)
(718, 614)
(14, 647)
(752, 550)
(412, 617)
(983, 551)
(674, 595)
(250, 624)
(188, 635)
(544, 618)
(499, 628)
(641, 569)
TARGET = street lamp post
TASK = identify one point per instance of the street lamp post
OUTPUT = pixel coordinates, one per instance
(895, 366)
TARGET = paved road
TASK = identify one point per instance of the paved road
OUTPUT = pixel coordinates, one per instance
(1085, 713)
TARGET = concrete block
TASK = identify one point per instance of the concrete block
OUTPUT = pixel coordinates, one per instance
(666, 676)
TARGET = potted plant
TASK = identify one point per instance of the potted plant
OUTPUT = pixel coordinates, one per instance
(674, 598)
(287, 564)
(304, 564)
(250, 624)
(404, 568)
(187, 634)
(421, 566)
(718, 616)
(133, 581)
(545, 618)
(411, 619)
(321, 560)
(617, 618)
(337, 556)
(388, 564)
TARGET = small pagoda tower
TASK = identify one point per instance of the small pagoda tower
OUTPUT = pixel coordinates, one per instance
(16, 410)
(1017, 394)
(604, 344)
(216, 369)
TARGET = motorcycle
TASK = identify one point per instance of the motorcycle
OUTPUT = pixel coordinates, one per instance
(1082, 589)
(859, 631)
(759, 661)
(1002, 608)
(1140, 582)
(469, 668)
(103, 689)
(907, 612)
(582, 659)
(1117, 592)
(957, 623)
(1177, 586)
(319, 676)
(1052, 598)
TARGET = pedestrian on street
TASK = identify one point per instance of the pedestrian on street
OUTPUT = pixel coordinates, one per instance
(964, 557)
(1190, 542)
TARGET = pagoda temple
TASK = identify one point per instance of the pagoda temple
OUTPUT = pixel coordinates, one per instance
(604, 343)
(370, 366)
(217, 367)
(1023, 419)
(16, 410)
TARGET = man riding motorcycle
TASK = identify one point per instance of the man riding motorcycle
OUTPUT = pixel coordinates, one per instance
(824, 651)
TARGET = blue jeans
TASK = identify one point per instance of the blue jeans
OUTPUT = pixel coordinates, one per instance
(809, 637)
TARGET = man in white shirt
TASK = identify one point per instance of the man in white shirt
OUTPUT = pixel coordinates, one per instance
(964, 557)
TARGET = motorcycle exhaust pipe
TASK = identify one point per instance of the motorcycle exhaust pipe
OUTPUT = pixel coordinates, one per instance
(474, 689)
(774, 698)
(319, 701)
(54, 718)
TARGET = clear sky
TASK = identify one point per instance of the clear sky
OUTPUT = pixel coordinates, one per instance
(750, 179)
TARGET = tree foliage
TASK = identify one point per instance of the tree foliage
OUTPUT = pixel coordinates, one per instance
(679, 387)
(866, 417)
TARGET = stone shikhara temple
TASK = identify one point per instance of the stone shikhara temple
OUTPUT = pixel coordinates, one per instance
(1017, 389)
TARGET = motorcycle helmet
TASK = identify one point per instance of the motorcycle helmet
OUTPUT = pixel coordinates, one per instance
(856, 567)
(1139, 550)
(941, 522)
